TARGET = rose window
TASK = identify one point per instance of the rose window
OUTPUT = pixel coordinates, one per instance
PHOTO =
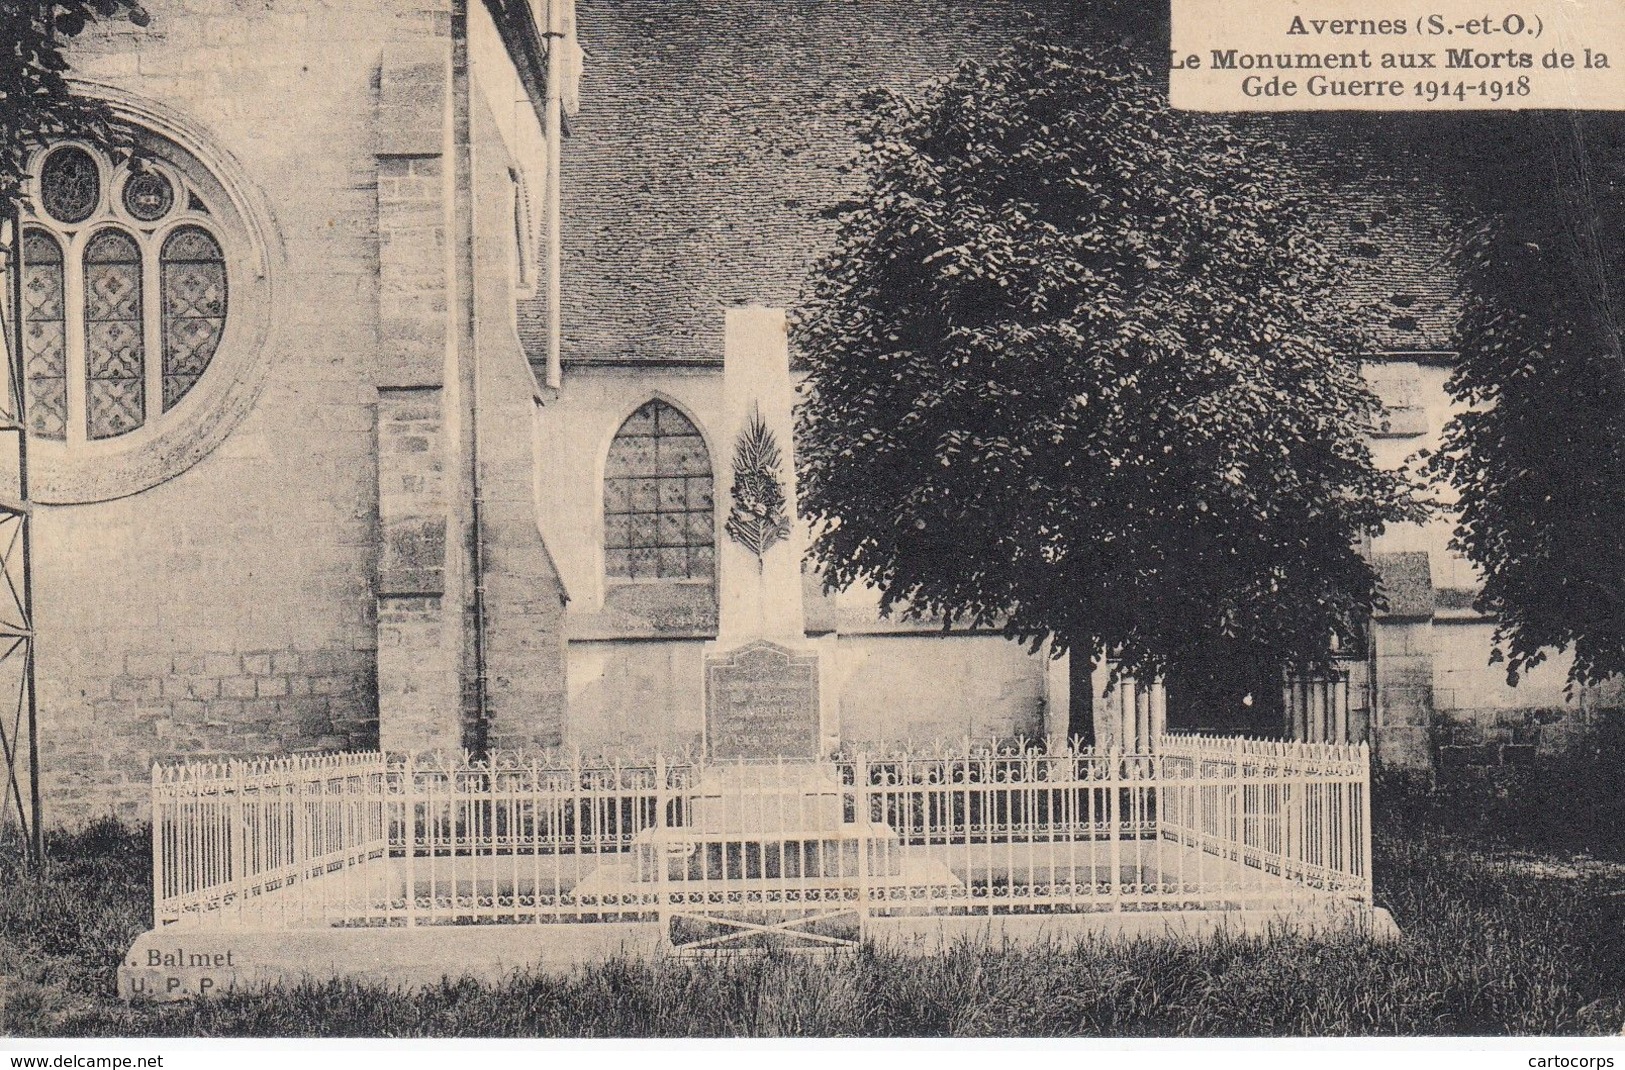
(124, 294)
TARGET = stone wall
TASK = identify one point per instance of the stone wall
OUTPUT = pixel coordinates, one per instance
(419, 684)
(1439, 699)
(229, 610)
(930, 688)
(1481, 720)
(636, 697)
(422, 567)
(888, 685)
(523, 599)
(315, 563)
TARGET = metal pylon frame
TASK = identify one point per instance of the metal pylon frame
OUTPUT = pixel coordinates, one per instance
(19, 712)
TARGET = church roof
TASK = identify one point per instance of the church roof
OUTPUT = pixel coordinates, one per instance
(712, 135)
(1383, 210)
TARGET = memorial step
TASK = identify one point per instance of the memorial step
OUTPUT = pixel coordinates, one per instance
(851, 853)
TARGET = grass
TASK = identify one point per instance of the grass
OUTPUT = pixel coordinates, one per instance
(1500, 938)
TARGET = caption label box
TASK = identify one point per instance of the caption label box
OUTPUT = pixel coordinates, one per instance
(1397, 55)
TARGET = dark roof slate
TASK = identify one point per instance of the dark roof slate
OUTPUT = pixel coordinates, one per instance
(712, 135)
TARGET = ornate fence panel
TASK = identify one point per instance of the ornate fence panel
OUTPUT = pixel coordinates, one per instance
(1014, 829)
(228, 837)
(725, 854)
(1297, 811)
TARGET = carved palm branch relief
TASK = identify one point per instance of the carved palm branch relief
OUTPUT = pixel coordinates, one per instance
(757, 519)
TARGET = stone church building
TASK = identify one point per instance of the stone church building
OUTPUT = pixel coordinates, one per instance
(392, 401)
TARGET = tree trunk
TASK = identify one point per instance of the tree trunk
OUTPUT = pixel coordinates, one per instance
(1080, 714)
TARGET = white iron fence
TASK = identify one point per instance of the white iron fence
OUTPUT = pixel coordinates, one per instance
(717, 850)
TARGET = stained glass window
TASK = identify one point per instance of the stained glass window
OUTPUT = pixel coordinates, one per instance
(70, 185)
(115, 357)
(125, 294)
(194, 295)
(659, 522)
(148, 196)
(45, 345)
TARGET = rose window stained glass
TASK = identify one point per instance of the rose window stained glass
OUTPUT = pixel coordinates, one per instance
(148, 196)
(115, 357)
(194, 298)
(70, 185)
(125, 292)
(659, 522)
(45, 347)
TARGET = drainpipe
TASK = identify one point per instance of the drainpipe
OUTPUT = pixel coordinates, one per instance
(476, 701)
(560, 37)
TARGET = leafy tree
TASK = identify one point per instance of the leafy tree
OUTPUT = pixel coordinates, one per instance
(36, 103)
(1078, 370)
(1538, 454)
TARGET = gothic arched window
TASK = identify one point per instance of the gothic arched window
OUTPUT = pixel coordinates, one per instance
(115, 352)
(124, 285)
(659, 521)
(45, 343)
(194, 292)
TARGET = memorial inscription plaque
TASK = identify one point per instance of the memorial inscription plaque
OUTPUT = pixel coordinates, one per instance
(761, 702)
